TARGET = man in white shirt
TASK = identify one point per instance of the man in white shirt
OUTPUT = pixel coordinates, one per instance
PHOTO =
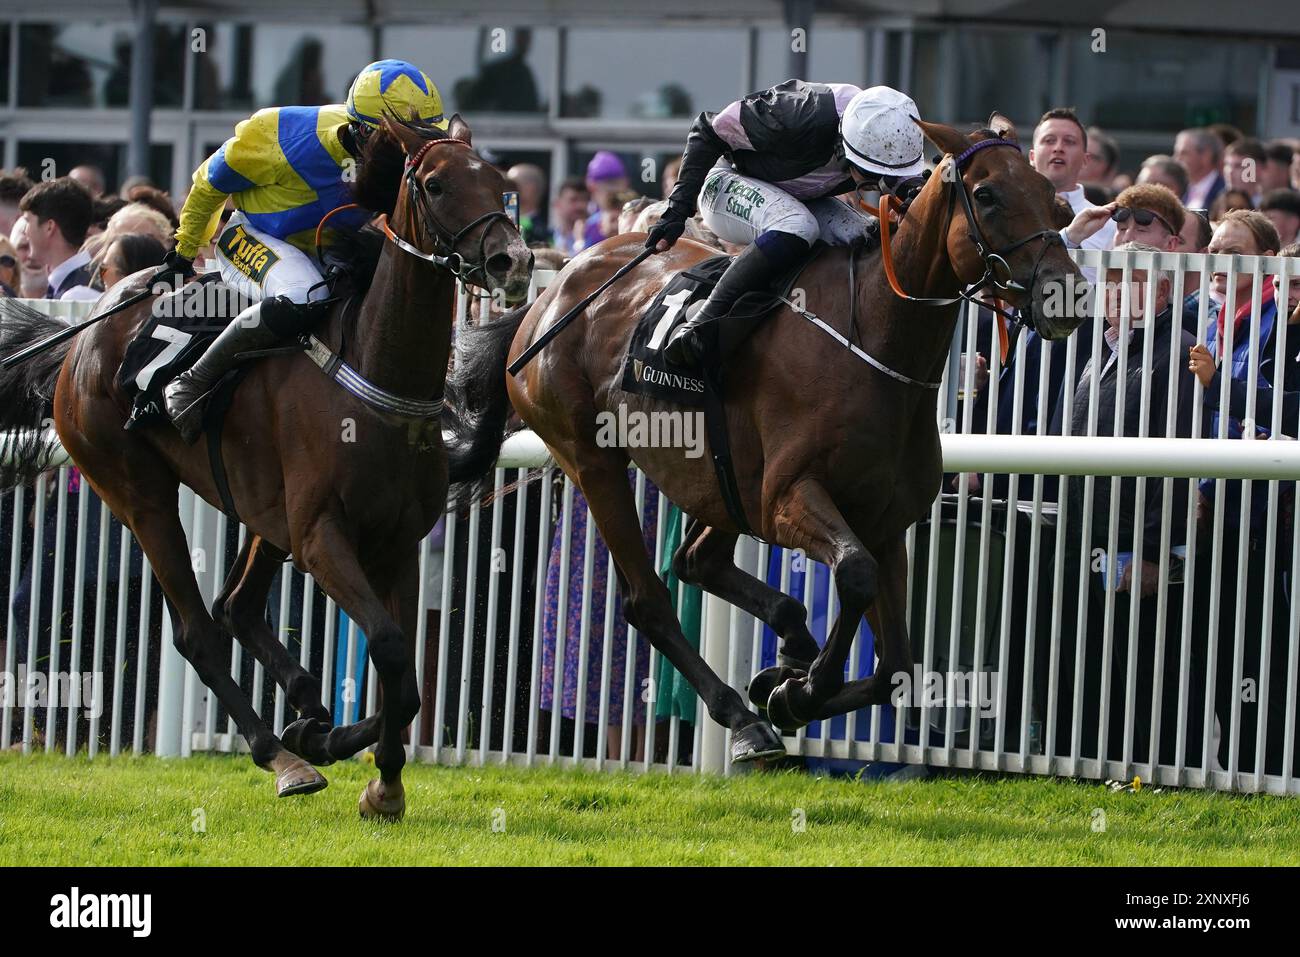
(58, 215)
(1059, 152)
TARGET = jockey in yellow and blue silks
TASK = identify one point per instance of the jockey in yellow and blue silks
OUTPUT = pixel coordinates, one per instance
(284, 170)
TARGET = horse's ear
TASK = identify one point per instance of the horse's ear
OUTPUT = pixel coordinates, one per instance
(458, 128)
(410, 140)
(1003, 126)
(944, 137)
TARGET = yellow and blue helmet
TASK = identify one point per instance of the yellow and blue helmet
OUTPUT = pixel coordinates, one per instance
(395, 87)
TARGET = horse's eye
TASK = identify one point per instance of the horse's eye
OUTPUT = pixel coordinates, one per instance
(432, 187)
(986, 196)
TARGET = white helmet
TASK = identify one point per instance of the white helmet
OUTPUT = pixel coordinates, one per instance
(879, 133)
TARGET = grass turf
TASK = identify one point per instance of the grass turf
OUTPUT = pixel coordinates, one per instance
(56, 810)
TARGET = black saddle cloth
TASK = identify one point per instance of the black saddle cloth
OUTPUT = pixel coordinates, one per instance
(646, 371)
(170, 341)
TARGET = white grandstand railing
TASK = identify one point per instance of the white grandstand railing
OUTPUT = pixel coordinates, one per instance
(486, 666)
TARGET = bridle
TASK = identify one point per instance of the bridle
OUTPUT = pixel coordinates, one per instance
(419, 411)
(997, 271)
(445, 240)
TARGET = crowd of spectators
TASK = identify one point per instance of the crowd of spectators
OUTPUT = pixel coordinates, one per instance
(66, 238)
(1217, 192)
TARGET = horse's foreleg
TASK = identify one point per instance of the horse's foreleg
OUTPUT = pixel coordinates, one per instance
(888, 615)
(810, 519)
(888, 619)
(241, 610)
(331, 557)
(707, 558)
(648, 606)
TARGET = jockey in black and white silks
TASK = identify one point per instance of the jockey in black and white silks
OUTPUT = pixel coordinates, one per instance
(764, 172)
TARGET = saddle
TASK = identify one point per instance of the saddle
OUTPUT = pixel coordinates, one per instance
(647, 372)
(178, 331)
(171, 340)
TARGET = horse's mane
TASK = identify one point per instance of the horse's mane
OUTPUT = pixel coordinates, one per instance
(379, 173)
(361, 251)
(378, 182)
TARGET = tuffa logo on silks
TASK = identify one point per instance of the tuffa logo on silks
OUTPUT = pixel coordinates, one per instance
(252, 258)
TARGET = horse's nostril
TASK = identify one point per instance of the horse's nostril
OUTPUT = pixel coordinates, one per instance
(499, 264)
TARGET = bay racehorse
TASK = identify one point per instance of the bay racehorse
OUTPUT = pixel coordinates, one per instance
(349, 487)
(836, 452)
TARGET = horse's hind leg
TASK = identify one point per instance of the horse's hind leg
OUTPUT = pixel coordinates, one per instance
(241, 610)
(707, 558)
(150, 513)
(649, 608)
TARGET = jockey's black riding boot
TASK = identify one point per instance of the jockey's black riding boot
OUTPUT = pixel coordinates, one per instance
(261, 326)
(751, 270)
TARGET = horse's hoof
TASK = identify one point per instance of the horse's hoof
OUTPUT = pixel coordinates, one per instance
(298, 777)
(298, 739)
(755, 741)
(382, 802)
(762, 684)
(779, 711)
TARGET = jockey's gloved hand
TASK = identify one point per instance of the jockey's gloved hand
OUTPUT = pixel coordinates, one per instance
(668, 230)
(172, 266)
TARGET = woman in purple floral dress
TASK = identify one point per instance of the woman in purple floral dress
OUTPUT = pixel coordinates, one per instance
(596, 629)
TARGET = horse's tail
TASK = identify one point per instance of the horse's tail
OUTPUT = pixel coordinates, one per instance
(474, 419)
(26, 392)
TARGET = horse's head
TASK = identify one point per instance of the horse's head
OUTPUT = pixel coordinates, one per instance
(452, 200)
(1003, 223)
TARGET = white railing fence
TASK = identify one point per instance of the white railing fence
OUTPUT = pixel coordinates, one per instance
(1059, 671)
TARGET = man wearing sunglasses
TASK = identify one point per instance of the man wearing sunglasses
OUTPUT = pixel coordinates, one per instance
(1145, 213)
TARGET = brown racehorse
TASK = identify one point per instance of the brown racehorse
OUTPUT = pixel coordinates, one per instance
(351, 510)
(832, 455)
